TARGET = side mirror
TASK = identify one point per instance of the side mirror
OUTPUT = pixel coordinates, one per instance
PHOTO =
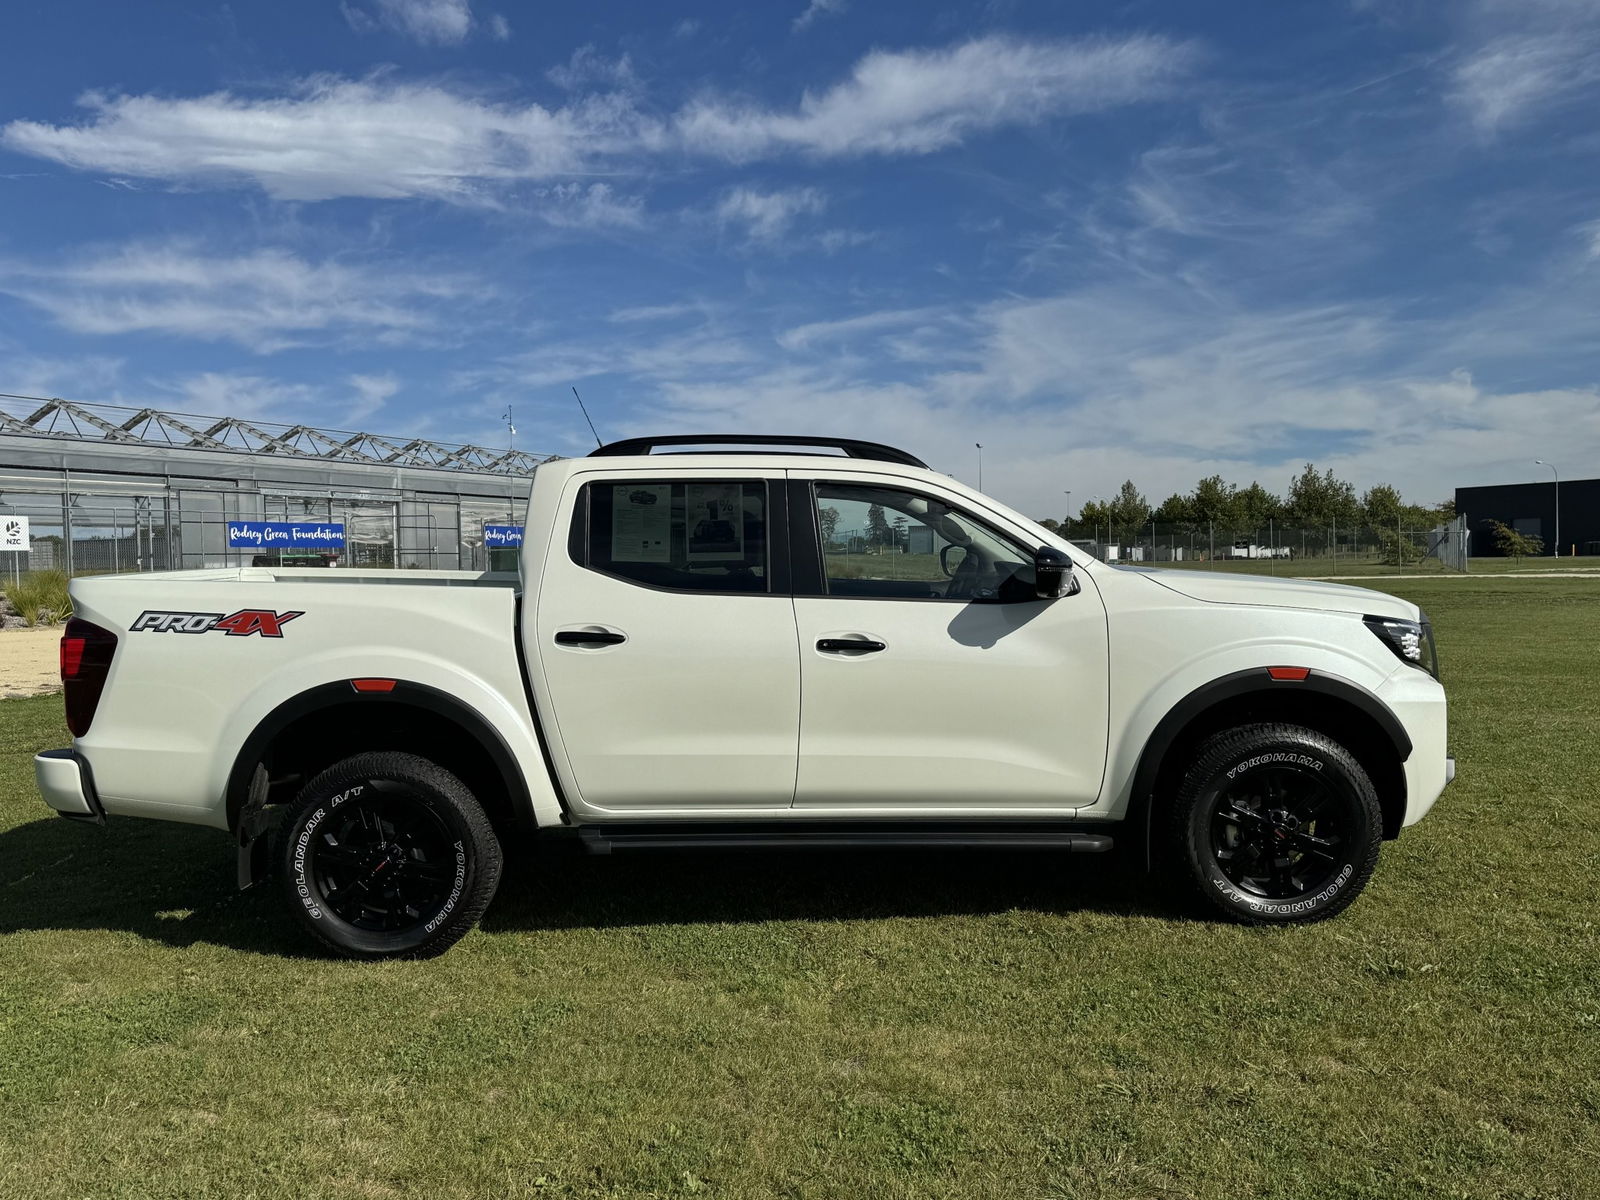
(950, 558)
(1052, 574)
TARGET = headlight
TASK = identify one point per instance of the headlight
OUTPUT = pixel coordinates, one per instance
(1412, 641)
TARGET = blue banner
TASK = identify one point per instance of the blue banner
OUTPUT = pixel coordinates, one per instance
(285, 535)
(499, 537)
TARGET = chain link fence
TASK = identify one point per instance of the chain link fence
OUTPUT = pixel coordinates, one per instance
(1274, 549)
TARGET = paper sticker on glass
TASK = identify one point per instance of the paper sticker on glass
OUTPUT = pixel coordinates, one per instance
(715, 522)
(641, 523)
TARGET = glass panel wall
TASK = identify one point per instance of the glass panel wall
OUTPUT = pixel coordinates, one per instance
(477, 512)
(430, 534)
(176, 516)
(369, 527)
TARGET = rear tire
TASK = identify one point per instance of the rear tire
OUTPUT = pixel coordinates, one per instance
(1276, 825)
(388, 855)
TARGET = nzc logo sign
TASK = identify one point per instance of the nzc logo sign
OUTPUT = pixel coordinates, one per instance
(13, 533)
(240, 624)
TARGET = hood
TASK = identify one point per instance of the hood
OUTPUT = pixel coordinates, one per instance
(1225, 587)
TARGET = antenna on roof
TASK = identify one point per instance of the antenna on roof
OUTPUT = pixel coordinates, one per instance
(585, 412)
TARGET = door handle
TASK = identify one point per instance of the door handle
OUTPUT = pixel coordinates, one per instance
(844, 645)
(589, 637)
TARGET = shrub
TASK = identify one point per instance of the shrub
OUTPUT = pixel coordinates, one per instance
(1516, 545)
(40, 598)
(1397, 550)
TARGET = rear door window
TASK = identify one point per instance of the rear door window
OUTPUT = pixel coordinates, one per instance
(694, 536)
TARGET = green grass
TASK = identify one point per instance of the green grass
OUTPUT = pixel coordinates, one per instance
(857, 1027)
(1369, 566)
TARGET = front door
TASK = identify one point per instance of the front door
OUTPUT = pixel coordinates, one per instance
(666, 642)
(933, 679)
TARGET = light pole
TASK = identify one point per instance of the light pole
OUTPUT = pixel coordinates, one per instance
(1555, 550)
(1068, 494)
(979, 445)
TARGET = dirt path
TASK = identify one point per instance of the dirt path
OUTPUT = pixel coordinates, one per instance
(29, 662)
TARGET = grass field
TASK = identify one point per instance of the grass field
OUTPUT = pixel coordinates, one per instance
(1317, 566)
(1370, 566)
(999, 1026)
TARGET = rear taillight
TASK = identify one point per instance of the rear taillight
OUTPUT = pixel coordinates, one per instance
(86, 652)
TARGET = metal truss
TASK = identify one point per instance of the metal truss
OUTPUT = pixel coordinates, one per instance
(35, 416)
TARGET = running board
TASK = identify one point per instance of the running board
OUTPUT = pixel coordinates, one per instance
(793, 835)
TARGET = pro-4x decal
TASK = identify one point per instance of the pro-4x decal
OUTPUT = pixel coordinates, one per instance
(239, 624)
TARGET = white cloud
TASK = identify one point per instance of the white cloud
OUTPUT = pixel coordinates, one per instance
(597, 206)
(221, 393)
(499, 28)
(1142, 379)
(1590, 233)
(819, 8)
(651, 312)
(281, 402)
(1513, 79)
(919, 101)
(381, 138)
(264, 300)
(335, 137)
(372, 393)
(766, 217)
(588, 66)
(431, 22)
(803, 337)
(26, 374)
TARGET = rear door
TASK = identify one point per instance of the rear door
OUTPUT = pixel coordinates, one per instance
(933, 679)
(666, 640)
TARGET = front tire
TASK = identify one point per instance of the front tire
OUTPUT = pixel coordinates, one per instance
(388, 855)
(1276, 825)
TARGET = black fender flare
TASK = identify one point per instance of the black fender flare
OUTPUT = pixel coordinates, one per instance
(1256, 680)
(343, 692)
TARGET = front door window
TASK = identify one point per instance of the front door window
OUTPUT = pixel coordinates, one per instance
(888, 543)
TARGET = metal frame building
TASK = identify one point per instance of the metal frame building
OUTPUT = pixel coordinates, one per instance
(107, 488)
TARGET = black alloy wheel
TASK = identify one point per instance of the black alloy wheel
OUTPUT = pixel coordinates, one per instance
(1275, 824)
(1277, 831)
(388, 855)
(384, 862)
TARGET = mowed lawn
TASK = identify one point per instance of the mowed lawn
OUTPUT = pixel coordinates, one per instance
(1355, 568)
(1005, 1026)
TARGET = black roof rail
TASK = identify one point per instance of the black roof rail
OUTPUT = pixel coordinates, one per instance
(851, 447)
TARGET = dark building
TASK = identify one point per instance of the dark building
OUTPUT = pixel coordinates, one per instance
(1531, 508)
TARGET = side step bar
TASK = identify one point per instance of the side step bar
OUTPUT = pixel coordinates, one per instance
(796, 835)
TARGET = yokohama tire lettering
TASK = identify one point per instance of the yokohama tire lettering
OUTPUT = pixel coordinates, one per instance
(455, 891)
(1297, 760)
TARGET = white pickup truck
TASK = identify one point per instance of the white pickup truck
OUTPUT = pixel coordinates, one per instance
(801, 642)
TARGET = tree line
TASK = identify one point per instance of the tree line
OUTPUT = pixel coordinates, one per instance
(1315, 500)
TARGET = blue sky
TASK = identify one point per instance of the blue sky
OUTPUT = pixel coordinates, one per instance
(1144, 239)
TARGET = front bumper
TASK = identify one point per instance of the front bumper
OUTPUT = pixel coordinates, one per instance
(67, 785)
